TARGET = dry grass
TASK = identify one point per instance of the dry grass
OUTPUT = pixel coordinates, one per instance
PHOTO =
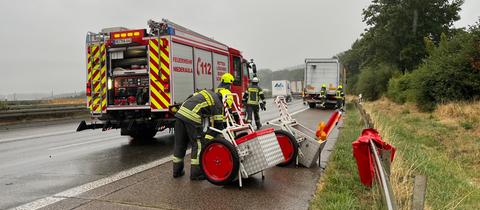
(464, 114)
(67, 101)
(459, 111)
(351, 98)
(339, 186)
(444, 145)
(401, 177)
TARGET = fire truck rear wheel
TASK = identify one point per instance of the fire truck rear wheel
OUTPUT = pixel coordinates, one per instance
(220, 162)
(289, 146)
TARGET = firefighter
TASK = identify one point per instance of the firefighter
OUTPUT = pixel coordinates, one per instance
(340, 97)
(192, 119)
(251, 99)
(225, 82)
(323, 90)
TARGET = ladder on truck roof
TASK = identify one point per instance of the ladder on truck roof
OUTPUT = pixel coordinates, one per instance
(162, 27)
(96, 72)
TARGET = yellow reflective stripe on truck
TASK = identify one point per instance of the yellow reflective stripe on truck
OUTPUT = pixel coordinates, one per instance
(103, 74)
(89, 74)
(159, 71)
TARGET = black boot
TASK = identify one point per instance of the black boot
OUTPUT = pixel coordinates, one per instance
(196, 173)
(178, 170)
(259, 125)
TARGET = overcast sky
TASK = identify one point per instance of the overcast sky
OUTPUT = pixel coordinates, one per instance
(42, 42)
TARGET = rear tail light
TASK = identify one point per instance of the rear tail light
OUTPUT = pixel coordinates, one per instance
(89, 89)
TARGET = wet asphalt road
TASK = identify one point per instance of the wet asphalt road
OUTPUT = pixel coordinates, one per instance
(283, 187)
(42, 160)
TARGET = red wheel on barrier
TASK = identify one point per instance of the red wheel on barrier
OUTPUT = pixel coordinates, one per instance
(220, 162)
(289, 146)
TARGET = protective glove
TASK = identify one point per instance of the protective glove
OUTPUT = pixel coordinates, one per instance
(262, 106)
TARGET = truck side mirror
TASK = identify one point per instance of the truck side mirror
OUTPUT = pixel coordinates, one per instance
(252, 66)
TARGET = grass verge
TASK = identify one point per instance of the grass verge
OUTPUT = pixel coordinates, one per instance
(443, 145)
(340, 187)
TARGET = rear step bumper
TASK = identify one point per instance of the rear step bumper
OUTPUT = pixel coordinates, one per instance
(159, 124)
(84, 126)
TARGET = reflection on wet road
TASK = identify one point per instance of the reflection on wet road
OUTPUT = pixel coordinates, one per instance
(37, 162)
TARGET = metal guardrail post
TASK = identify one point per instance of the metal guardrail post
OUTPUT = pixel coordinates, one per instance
(419, 192)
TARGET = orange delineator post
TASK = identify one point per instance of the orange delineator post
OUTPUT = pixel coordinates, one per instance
(324, 130)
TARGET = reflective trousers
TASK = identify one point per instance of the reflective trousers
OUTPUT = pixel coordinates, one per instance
(253, 109)
(186, 133)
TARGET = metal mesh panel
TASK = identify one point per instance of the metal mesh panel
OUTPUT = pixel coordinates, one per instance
(263, 152)
(310, 151)
(255, 161)
(271, 149)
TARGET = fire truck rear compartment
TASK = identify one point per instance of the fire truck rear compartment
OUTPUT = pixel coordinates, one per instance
(129, 77)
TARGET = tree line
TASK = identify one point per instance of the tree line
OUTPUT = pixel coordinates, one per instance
(410, 52)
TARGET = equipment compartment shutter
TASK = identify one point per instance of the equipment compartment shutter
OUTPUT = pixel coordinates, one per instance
(182, 65)
(220, 67)
(203, 69)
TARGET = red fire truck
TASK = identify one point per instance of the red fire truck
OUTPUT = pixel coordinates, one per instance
(136, 79)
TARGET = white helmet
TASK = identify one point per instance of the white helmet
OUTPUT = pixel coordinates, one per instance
(255, 80)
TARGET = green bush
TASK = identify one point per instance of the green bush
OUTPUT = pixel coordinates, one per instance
(448, 74)
(373, 80)
(401, 89)
(351, 84)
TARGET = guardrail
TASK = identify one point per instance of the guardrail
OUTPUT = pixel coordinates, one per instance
(381, 164)
(39, 106)
(382, 171)
(39, 112)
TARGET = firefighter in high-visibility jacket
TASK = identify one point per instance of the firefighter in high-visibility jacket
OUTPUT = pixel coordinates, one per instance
(225, 82)
(323, 90)
(251, 99)
(191, 125)
(340, 97)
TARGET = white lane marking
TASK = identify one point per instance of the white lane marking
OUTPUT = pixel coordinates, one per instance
(36, 136)
(275, 108)
(42, 202)
(82, 143)
(293, 113)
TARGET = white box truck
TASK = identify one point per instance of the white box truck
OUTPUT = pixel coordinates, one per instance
(293, 86)
(318, 72)
(282, 88)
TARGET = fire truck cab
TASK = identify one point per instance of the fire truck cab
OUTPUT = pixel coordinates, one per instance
(136, 79)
